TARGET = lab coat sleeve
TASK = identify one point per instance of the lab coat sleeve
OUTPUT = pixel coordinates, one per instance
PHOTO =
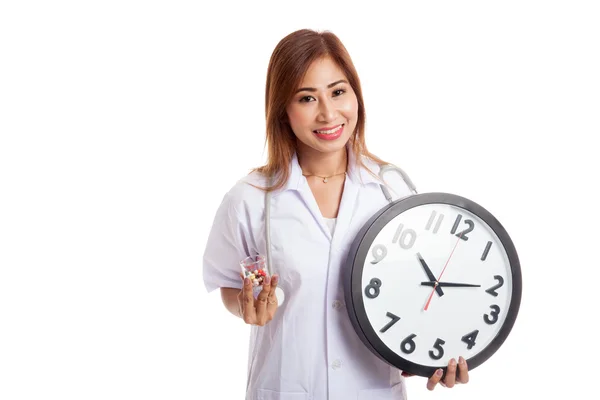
(226, 246)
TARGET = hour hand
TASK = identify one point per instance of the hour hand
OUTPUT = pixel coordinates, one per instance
(430, 275)
(449, 284)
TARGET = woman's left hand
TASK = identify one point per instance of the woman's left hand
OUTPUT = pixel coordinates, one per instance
(456, 373)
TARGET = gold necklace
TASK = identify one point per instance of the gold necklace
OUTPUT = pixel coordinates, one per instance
(325, 178)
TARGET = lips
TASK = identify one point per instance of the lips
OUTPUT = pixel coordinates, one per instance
(333, 135)
(331, 129)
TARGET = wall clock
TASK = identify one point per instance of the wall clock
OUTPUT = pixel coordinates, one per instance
(432, 277)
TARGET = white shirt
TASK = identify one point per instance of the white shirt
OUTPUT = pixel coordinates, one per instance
(309, 350)
(330, 224)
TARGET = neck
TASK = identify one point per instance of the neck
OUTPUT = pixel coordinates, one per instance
(322, 164)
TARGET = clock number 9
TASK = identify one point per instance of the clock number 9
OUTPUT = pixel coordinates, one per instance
(440, 351)
(379, 252)
(408, 345)
(493, 314)
(374, 286)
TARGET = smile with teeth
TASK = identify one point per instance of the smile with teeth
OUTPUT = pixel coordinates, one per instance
(330, 131)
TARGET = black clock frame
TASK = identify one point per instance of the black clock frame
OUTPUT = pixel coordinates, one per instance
(353, 290)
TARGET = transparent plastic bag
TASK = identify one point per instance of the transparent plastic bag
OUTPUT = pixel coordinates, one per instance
(255, 268)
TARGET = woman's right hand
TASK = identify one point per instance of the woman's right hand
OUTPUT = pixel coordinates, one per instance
(261, 310)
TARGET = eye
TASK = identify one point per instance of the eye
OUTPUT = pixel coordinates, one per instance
(303, 99)
(340, 91)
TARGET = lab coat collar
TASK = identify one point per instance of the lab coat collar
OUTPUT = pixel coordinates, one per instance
(359, 174)
(356, 173)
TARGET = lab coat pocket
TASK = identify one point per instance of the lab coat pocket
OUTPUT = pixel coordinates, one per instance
(266, 394)
(376, 394)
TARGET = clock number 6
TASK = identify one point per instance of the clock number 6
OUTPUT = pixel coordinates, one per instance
(440, 351)
(463, 234)
(374, 286)
(408, 345)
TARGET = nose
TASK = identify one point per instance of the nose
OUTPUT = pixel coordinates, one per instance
(327, 110)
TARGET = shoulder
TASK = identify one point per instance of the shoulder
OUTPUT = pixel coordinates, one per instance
(246, 194)
(391, 176)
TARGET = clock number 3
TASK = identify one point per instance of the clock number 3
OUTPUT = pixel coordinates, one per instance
(463, 234)
(493, 317)
(372, 289)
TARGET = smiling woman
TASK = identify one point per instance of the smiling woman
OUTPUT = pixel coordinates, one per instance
(323, 186)
(312, 88)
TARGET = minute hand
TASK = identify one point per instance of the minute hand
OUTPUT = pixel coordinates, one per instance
(449, 284)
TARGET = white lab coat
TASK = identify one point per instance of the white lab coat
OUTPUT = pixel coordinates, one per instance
(309, 350)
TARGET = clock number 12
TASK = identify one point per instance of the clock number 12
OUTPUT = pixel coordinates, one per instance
(463, 234)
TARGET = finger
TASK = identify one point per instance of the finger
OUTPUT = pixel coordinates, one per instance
(248, 302)
(272, 298)
(240, 298)
(450, 378)
(435, 378)
(463, 371)
(261, 301)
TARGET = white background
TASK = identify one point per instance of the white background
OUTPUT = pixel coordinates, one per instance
(123, 124)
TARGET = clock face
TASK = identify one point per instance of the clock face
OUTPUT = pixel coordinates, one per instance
(435, 277)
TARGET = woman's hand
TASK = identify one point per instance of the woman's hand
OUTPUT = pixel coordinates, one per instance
(452, 377)
(261, 310)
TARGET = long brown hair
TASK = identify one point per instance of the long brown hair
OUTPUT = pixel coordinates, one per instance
(289, 62)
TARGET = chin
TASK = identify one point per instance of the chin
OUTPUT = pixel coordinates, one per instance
(331, 147)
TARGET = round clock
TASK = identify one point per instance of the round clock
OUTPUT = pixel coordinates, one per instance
(432, 277)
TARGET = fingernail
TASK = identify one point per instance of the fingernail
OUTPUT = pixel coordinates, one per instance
(439, 372)
(453, 362)
(268, 280)
(461, 360)
(246, 281)
(275, 279)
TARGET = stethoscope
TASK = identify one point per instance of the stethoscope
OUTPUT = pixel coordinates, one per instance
(385, 168)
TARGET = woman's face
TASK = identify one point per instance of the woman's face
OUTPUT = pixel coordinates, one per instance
(324, 111)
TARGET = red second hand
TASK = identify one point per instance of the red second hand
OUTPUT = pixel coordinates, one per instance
(442, 273)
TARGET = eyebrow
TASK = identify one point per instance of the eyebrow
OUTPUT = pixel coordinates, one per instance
(309, 89)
